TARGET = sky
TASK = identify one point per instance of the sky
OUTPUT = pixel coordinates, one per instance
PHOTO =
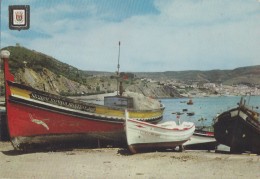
(155, 35)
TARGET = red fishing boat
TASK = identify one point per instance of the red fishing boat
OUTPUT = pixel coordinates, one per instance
(37, 117)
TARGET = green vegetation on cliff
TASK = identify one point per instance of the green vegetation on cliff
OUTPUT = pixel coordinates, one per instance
(21, 57)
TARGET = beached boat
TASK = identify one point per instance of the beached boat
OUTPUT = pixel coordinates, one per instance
(142, 135)
(35, 116)
(4, 135)
(201, 140)
(239, 128)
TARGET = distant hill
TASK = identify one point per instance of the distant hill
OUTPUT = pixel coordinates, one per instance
(244, 75)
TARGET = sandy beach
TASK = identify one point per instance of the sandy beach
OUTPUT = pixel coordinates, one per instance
(119, 163)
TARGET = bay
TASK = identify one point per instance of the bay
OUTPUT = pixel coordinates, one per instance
(204, 107)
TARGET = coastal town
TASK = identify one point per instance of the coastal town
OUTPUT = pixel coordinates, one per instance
(207, 89)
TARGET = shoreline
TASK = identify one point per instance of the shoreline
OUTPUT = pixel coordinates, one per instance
(101, 96)
(118, 163)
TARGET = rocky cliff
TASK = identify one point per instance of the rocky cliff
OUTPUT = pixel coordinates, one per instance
(45, 73)
(49, 81)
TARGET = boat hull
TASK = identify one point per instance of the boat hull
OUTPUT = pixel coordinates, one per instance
(201, 141)
(143, 136)
(29, 122)
(144, 147)
(239, 129)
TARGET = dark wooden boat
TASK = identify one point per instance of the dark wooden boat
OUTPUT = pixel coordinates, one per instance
(4, 135)
(239, 128)
(35, 116)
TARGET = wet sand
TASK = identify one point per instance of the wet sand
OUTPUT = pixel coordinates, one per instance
(119, 163)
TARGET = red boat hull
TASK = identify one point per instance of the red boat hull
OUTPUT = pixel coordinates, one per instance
(27, 123)
(30, 121)
(35, 122)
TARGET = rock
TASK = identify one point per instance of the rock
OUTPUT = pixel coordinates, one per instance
(142, 102)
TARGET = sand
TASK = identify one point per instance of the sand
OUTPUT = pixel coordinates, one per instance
(119, 163)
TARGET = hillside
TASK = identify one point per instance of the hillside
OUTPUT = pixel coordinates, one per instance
(244, 75)
(22, 57)
(48, 74)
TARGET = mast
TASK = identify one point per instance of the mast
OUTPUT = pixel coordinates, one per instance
(118, 66)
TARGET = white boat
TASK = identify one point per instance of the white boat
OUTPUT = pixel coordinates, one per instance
(142, 135)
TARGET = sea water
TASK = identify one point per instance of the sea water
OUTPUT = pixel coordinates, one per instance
(205, 108)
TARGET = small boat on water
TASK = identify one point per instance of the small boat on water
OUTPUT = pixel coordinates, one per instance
(37, 117)
(190, 113)
(142, 135)
(239, 128)
(201, 140)
(190, 102)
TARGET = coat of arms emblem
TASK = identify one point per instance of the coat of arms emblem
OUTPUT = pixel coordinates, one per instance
(19, 17)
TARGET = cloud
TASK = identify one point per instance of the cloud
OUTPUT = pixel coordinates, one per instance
(199, 12)
(170, 35)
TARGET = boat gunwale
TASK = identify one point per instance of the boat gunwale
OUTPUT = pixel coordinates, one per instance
(29, 88)
(204, 135)
(248, 120)
(62, 111)
(160, 127)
